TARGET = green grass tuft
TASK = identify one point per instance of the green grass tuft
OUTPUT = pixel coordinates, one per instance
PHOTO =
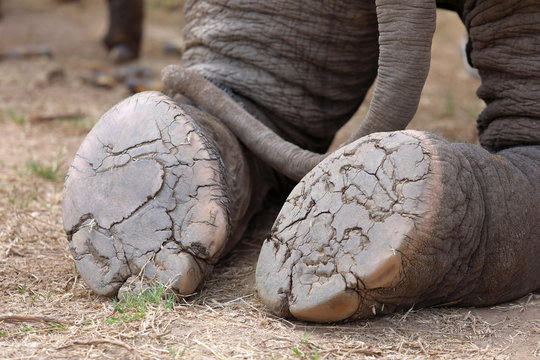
(449, 104)
(27, 329)
(309, 352)
(137, 306)
(155, 295)
(17, 118)
(48, 172)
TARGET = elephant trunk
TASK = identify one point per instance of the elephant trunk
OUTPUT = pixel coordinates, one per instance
(405, 34)
(406, 30)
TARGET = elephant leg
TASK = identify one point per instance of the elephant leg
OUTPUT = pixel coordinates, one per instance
(405, 219)
(158, 191)
(124, 35)
(504, 48)
(306, 64)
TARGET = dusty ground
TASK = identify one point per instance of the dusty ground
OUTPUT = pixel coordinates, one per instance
(225, 319)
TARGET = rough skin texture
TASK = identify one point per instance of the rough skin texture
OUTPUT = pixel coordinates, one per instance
(404, 219)
(146, 196)
(306, 64)
(352, 227)
(391, 221)
(505, 40)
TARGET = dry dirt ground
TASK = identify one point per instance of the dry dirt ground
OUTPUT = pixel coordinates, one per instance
(48, 312)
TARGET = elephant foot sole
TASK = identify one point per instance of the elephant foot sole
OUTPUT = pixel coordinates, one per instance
(355, 237)
(145, 198)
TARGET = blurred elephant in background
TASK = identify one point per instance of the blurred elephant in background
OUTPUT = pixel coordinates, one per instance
(125, 29)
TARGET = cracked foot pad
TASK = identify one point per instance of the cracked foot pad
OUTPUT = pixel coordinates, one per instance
(339, 246)
(145, 197)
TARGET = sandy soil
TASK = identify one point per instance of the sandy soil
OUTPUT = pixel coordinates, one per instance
(49, 313)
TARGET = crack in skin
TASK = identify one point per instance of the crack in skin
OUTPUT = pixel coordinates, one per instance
(181, 149)
(339, 227)
(113, 154)
(429, 245)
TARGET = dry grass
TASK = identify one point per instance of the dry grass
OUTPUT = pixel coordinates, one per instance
(225, 320)
(54, 315)
(47, 312)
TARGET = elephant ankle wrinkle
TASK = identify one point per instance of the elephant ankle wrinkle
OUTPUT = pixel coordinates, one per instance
(508, 248)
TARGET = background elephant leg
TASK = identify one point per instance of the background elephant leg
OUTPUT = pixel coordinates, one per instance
(124, 35)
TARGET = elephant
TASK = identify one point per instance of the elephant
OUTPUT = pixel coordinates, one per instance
(164, 185)
(125, 29)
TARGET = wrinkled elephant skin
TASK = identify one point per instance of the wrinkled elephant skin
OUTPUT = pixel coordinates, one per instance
(164, 186)
(388, 223)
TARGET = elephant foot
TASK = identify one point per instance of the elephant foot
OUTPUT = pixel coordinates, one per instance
(403, 219)
(153, 195)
